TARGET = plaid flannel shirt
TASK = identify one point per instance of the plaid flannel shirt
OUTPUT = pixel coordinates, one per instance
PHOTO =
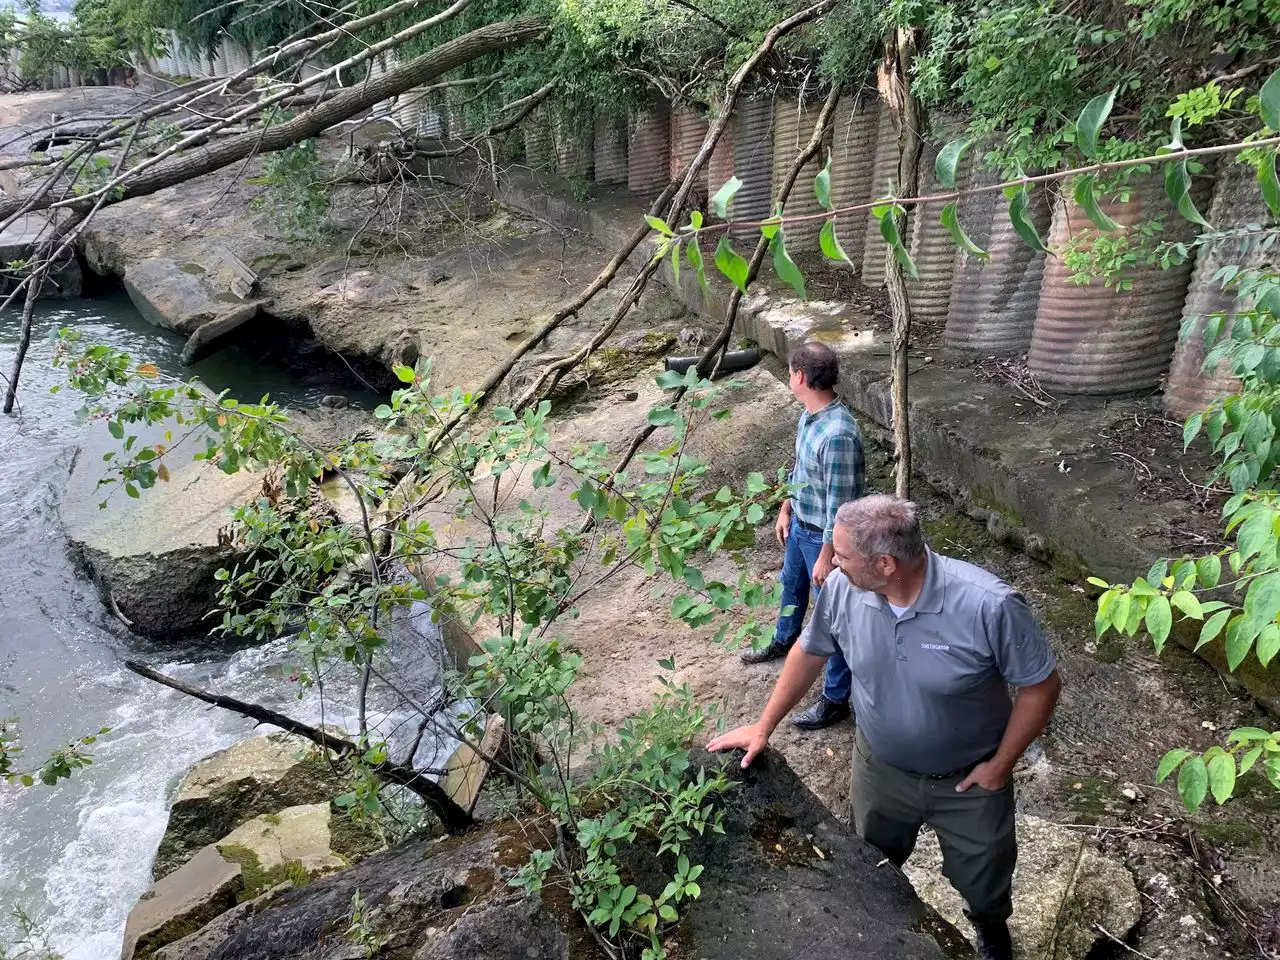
(829, 465)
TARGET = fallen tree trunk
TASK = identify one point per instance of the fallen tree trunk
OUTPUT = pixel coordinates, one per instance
(491, 38)
(452, 817)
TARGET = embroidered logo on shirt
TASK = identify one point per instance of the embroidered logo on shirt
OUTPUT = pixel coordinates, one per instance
(935, 646)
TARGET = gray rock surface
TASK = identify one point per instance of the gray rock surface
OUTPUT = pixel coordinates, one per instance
(257, 856)
(1064, 889)
(254, 777)
(199, 298)
(155, 555)
(768, 894)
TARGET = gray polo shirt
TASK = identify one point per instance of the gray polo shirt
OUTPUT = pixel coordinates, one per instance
(929, 689)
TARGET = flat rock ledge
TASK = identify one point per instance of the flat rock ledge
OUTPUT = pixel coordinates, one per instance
(1066, 891)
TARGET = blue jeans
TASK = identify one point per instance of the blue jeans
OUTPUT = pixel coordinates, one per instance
(803, 547)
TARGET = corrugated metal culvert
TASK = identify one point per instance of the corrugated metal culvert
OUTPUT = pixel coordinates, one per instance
(853, 153)
(648, 151)
(993, 302)
(688, 131)
(575, 155)
(720, 166)
(610, 148)
(1236, 201)
(539, 146)
(752, 164)
(793, 123)
(1099, 341)
(932, 248)
(884, 176)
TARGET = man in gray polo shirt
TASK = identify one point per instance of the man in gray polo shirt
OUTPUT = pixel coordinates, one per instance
(933, 644)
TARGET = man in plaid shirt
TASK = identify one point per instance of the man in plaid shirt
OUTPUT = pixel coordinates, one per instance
(829, 470)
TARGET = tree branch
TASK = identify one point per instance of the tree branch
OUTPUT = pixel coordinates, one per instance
(452, 817)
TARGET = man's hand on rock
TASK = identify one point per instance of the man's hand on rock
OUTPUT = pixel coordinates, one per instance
(990, 775)
(782, 528)
(752, 738)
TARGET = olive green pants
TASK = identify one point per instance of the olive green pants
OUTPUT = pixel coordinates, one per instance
(975, 828)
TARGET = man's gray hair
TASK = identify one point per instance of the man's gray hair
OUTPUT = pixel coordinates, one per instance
(884, 526)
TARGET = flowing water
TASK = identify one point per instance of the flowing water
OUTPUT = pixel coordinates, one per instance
(77, 856)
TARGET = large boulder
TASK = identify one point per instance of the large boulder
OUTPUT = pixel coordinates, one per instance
(785, 880)
(203, 298)
(292, 846)
(155, 556)
(1065, 891)
(254, 777)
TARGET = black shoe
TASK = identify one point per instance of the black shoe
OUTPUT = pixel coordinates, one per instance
(822, 714)
(774, 651)
(994, 942)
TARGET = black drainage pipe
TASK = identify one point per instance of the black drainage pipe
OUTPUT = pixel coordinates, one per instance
(733, 361)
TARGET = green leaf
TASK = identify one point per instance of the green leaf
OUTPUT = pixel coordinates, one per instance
(1191, 428)
(1209, 570)
(724, 196)
(1177, 184)
(1159, 619)
(1193, 783)
(822, 186)
(1269, 183)
(951, 220)
(948, 162)
(668, 913)
(1249, 759)
(1188, 603)
(404, 374)
(1222, 776)
(694, 253)
(830, 243)
(1087, 202)
(664, 417)
(784, 266)
(1269, 101)
(1170, 762)
(1268, 644)
(657, 223)
(1092, 117)
(1020, 217)
(115, 429)
(731, 265)
(1239, 641)
(1212, 627)
(889, 231)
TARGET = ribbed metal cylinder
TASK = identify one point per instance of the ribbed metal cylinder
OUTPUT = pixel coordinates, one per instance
(1236, 201)
(408, 110)
(932, 248)
(1096, 340)
(752, 164)
(793, 124)
(610, 148)
(431, 118)
(688, 131)
(539, 145)
(884, 176)
(575, 153)
(648, 151)
(992, 308)
(853, 152)
(720, 166)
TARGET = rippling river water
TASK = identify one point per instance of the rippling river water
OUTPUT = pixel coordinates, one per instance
(76, 857)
